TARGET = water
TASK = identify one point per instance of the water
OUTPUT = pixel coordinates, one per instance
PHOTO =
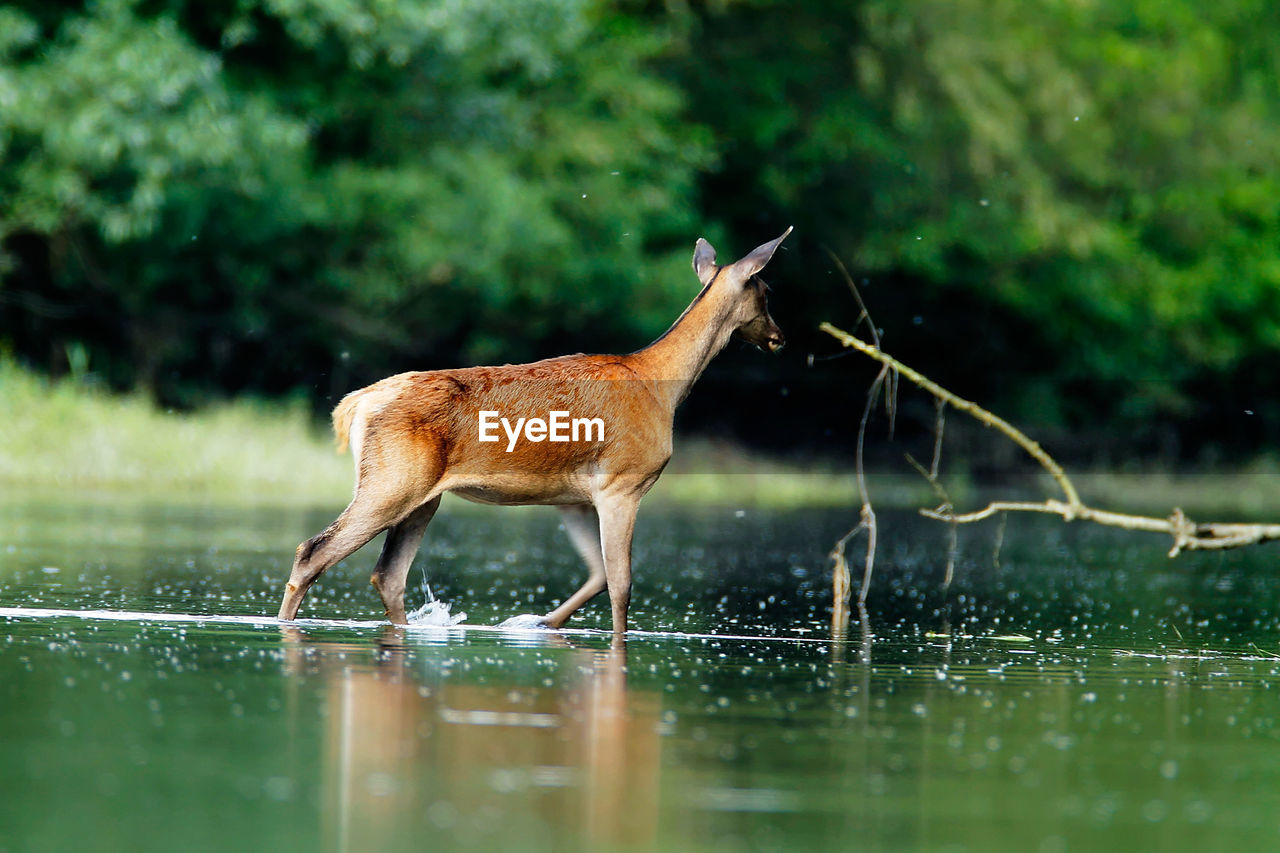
(1073, 690)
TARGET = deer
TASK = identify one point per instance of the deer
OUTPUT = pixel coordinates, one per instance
(415, 436)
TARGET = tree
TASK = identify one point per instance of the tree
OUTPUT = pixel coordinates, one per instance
(1076, 202)
(248, 195)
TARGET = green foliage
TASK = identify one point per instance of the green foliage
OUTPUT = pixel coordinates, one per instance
(1088, 190)
(1068, 210)
(114, 115)
(249, 197)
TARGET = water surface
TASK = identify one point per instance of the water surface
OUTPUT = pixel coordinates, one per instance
(1073, 690)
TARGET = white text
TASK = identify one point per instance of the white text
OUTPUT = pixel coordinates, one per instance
(557, 427)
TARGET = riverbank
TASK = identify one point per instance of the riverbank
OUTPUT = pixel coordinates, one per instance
(69, 436)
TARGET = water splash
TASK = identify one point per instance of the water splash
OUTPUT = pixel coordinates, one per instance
(525, 622)
(434, 612)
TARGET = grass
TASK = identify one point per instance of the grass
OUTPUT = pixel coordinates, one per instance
(64, 435)
(1247, 493)
(716, 473)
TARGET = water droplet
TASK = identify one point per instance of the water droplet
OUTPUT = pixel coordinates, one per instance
(1155, 811)
(380, 784)
(278, 788)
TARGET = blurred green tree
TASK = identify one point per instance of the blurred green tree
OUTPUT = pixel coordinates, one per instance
(1075, 202)
(251, 194)
(1066, 209)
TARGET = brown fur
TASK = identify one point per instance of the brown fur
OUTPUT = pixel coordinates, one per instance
(416, 435)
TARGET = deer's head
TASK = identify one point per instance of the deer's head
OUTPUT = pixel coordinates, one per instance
(740, 286)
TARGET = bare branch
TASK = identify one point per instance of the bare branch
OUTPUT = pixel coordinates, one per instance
(1186, 534)
(972, 409)
(945, 510)
(841, 581)
(939, 424)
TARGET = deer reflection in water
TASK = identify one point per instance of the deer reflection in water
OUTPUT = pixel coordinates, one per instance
(410, 747)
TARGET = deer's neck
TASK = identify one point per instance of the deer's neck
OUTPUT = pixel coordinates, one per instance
(676, 360)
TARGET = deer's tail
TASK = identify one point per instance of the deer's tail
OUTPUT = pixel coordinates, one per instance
(343, 414)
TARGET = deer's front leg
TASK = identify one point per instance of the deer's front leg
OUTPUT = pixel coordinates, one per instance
(617, 523)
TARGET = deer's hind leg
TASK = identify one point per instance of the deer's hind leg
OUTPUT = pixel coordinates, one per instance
(402, 543)
(583, 526)
(392, 489)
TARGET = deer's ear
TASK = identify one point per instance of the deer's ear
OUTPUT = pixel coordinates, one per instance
(754, 262)
(704, 261)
